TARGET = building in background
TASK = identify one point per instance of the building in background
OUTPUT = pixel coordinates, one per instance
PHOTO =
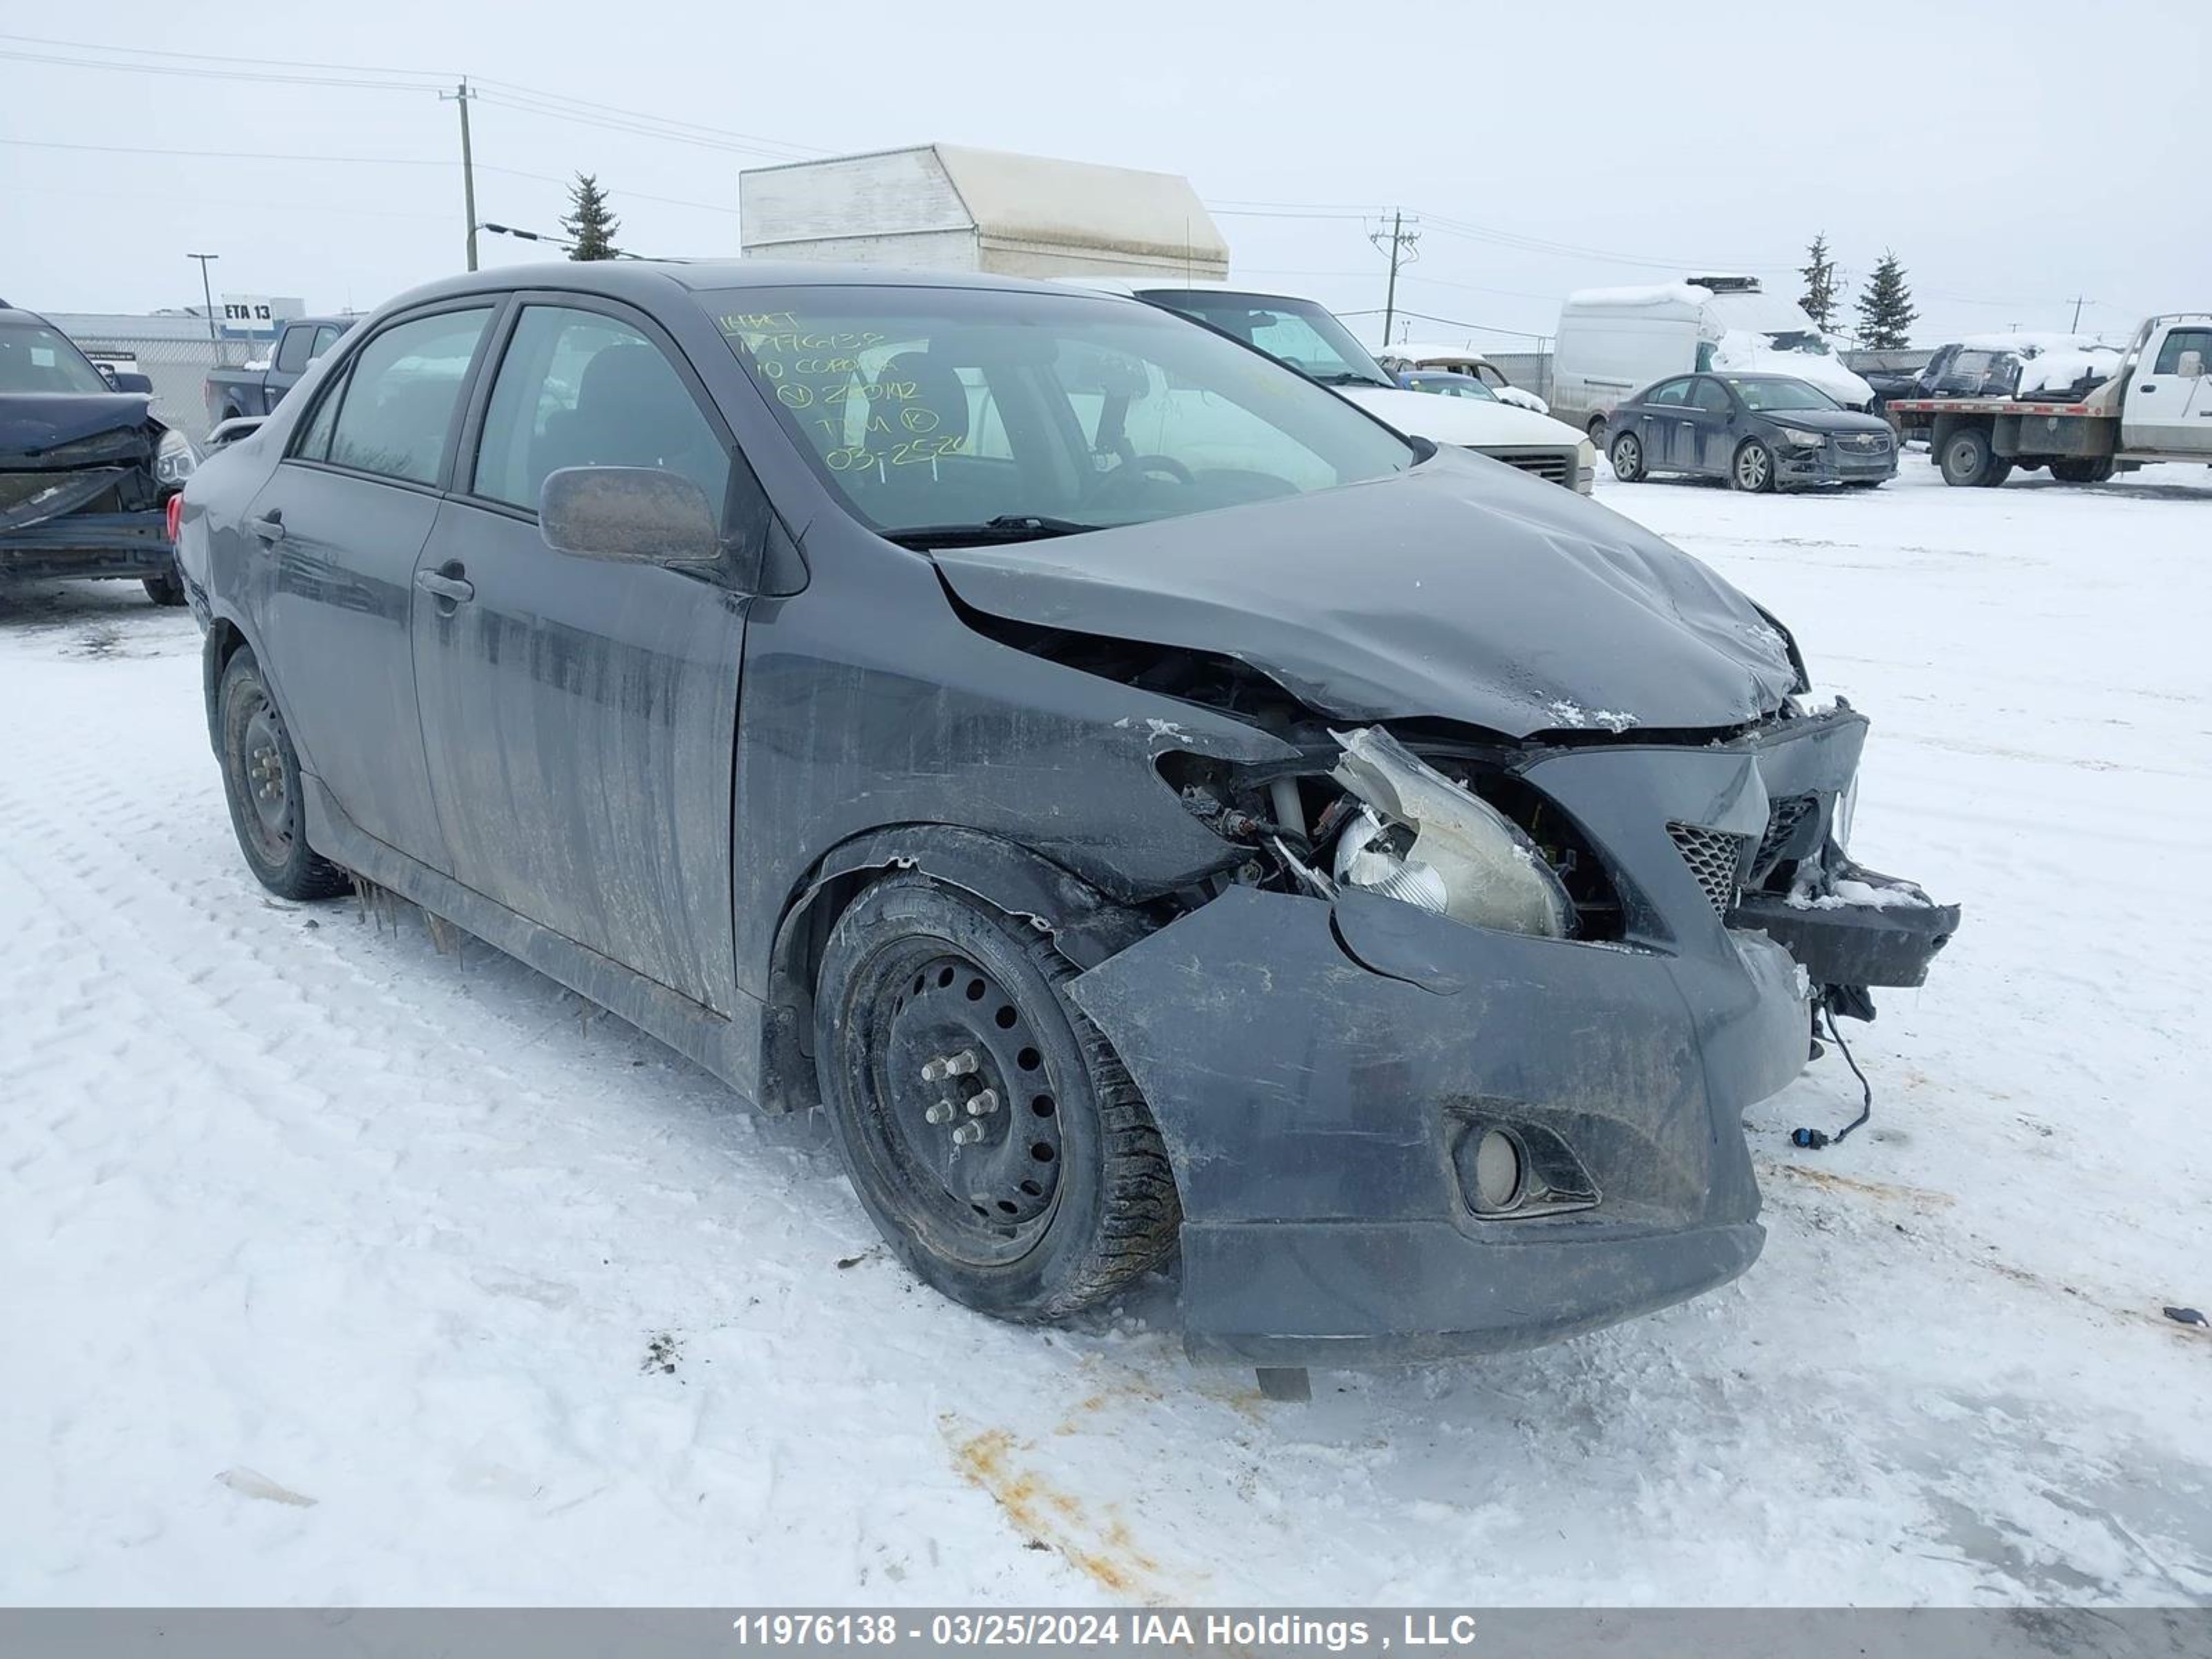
(947, 207)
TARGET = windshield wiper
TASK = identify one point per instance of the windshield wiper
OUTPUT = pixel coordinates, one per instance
(1344, 377)
(1007, 527)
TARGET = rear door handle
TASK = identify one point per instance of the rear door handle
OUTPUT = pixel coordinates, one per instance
(451, 589)
(269, 526)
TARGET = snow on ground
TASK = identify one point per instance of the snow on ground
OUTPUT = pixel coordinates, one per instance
(336, 1269)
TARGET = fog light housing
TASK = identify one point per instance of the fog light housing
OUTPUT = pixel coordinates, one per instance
(1515, 1171)
(1498, 1172)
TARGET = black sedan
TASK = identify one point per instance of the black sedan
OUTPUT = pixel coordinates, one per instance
(1760, 432)
(86, 470)
(1143, 801)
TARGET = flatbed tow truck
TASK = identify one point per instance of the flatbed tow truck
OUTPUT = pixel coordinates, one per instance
(2157, 408)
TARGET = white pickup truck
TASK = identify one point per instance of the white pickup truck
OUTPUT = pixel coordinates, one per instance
(2157, 408)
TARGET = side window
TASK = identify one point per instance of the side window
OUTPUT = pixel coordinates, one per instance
(1710, 397)
(313, 443)
(580, 388)
(1673, 394)
(400, 394)
(325, 337)
(292, 349)
(2198, 340)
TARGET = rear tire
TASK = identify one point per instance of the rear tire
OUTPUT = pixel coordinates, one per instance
(1595, 429)
(261, 778)
(165, 589)
(1062, 1194)
(1628, 458)
(1753, 468)
(1968, 460)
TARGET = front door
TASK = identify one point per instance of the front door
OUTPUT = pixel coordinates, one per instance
(332, 542)
(579, 714)
(2168, 405)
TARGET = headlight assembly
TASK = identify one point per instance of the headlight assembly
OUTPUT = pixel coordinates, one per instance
(1802, 439)
(175, 459)
(1425, 840)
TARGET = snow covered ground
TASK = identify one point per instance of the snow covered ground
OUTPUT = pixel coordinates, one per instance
(334, 1268)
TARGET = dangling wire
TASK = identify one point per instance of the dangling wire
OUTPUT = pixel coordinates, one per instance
(1814, 1139)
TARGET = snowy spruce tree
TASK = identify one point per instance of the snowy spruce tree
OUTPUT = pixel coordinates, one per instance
(590, 224)
(1819, 272)
(1886, 313)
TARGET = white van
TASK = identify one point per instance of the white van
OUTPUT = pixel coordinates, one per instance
(1614, 342)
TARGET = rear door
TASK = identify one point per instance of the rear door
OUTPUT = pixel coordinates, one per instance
(331, 543)
(579, 714)
(1711, 429)
(1665, 419)
(2168, 406)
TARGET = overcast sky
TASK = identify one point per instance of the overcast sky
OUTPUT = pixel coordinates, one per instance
(2015, 156)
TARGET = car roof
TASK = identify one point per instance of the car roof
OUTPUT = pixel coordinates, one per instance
(641, 279)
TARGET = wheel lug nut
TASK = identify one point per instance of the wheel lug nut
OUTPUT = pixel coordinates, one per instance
(984, 1103)
(945, 1065)
(940, 1112)
(967, 1134)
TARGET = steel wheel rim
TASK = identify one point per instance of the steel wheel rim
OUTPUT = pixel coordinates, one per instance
(962, 1117)
(1964, 460)
(264, 782)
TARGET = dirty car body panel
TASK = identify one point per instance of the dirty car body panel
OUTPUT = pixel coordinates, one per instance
(661, 782)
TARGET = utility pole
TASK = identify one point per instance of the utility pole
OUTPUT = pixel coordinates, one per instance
(1401, 242)
(207, 294)
(2079, 301)
(461, 95)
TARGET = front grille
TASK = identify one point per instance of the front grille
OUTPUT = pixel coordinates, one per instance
(1864, 443)
(1553, 465)
(1715, 857)
(1783, 818)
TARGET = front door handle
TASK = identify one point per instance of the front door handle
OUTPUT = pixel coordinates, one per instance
(454, 589)
(269, 526)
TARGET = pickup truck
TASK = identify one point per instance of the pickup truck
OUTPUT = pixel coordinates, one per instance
(252, 391)
(2156, 407)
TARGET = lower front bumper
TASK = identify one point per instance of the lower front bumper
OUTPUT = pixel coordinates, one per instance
(1827, 466)
(90, 545)
(1317, 1069)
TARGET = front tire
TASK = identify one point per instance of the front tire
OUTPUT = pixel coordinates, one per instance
(261, 778)
(1628, 458)
(1752, 469)
(1031, 1181)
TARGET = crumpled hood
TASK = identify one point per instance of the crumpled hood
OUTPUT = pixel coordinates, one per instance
(1462, 591)
(1463, 420)
(1827, 420)
(33, 423)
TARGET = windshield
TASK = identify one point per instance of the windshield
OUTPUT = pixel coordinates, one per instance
(36, 358)
(1761, 395)
(1449, 385)
(1297, 333)
(1799, 340)
(944, 416)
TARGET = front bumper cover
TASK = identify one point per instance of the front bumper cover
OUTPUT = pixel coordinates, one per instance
(90, 545)
(1315, 1067)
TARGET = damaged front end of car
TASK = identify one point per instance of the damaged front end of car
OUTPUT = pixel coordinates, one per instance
(83, 485)
(1532, 887)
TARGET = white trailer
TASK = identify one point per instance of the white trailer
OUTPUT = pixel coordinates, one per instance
(2157, 408)
(948, 207)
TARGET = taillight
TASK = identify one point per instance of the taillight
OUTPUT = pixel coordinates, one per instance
(176, 516)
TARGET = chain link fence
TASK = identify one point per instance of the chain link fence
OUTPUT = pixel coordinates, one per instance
(178, 368)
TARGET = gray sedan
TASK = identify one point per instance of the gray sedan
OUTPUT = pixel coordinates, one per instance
(1760, 432)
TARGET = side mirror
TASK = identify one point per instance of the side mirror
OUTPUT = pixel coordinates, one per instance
(2191, 366)
(124, 379)
(635, 512)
